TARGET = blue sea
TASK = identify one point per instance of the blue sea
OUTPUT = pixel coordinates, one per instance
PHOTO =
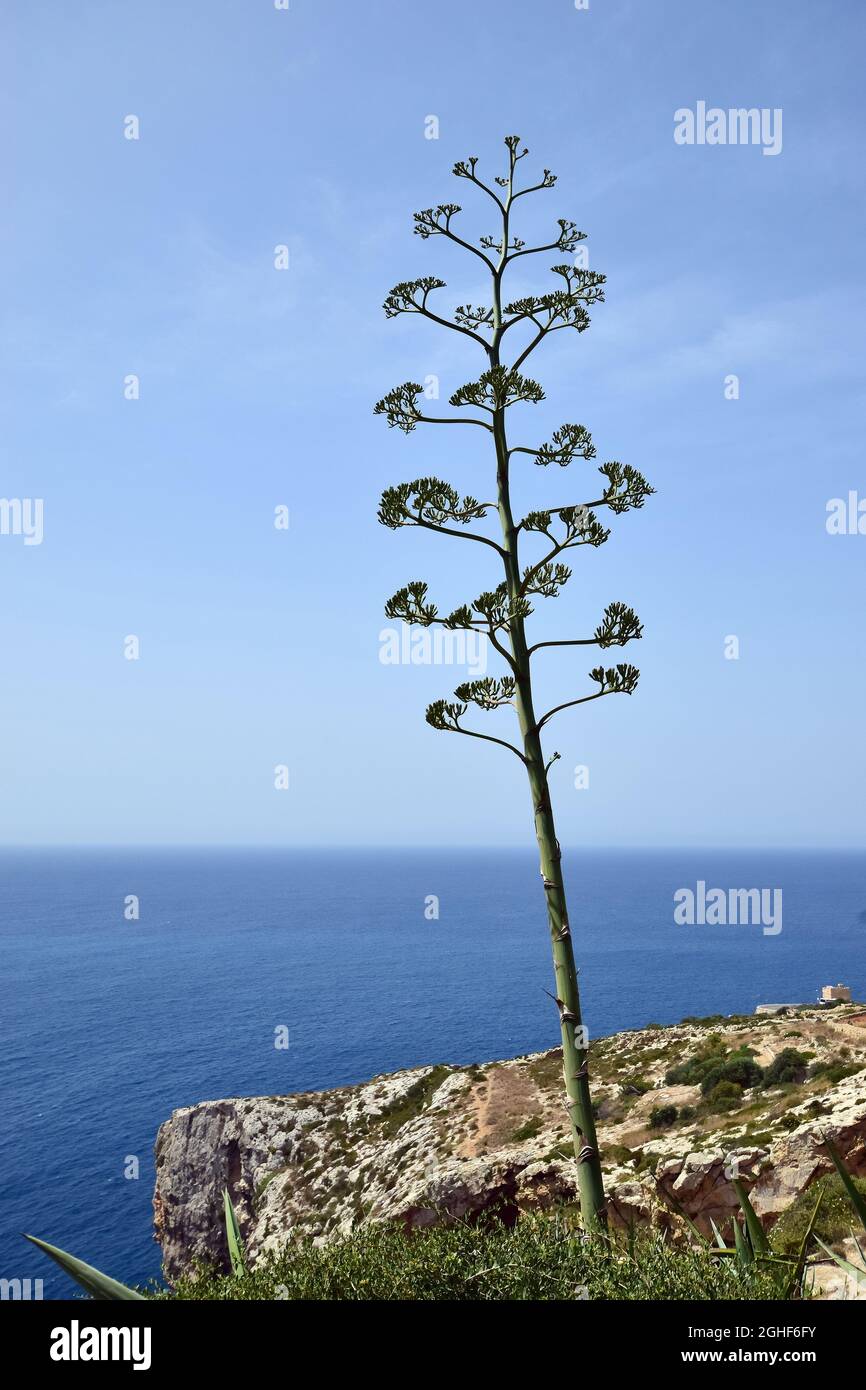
(109, 1023)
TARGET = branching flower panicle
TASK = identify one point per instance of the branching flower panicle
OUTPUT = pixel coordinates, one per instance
(500, 613)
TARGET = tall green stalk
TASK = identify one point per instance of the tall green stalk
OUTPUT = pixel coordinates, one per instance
(501, 613)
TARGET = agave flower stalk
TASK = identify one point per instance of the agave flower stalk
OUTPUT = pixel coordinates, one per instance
(502, 612)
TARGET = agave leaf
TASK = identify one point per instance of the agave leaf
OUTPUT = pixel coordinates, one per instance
(728, 1250)
(98, 1285)
(858, 1274)
(688, 1220)
(757, 1236)
(742, 1246)
(720, 1242)
(233, 1237)
(797, 1271)
(856, 1198)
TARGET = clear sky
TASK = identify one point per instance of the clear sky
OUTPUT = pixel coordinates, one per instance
(155, 257)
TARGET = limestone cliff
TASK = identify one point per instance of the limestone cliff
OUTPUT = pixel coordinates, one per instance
(442, 1142)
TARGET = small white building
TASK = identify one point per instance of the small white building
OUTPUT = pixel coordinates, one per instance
(839, 994)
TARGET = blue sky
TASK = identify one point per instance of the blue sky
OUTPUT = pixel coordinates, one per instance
(259, 647)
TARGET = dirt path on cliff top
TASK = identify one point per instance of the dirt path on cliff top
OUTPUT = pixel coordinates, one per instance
(508, 1098)
(510, 1095)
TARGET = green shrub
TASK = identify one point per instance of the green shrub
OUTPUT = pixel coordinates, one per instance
(725, 1095)
(706, 1056)
(619, 1153)
(739, 1069)
(835, 1069)
(663, 1116)
(646, 1162)
(635, 1086)
(788, 1067)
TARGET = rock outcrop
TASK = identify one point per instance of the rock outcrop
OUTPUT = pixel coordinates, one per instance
(439, 1143)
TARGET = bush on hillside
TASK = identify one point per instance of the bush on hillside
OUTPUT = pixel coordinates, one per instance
(539, 1258)
(663, 1116)
(725, 1095)
(635, 1086)
(707, 1055)
(835, 1069)
(787, 1068)
(738, 1068)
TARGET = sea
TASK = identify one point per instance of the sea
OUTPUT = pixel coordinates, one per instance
(138, 981)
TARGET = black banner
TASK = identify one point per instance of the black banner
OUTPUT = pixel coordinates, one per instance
(82, 1338)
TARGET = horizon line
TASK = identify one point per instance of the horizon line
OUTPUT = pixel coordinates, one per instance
(386, 848)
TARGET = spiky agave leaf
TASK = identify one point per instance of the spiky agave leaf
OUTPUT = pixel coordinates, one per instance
(757, 1235)
(100, 1286)
(849, 1268)
(855, 1197)
(745, 1255)
(684, 1216)
(233, 1237)
(720, 1240)
(797, 1272)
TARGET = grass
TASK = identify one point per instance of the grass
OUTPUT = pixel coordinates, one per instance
(541, 1257)
(835, 1218)
(530, 1130)
(406, 1107)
